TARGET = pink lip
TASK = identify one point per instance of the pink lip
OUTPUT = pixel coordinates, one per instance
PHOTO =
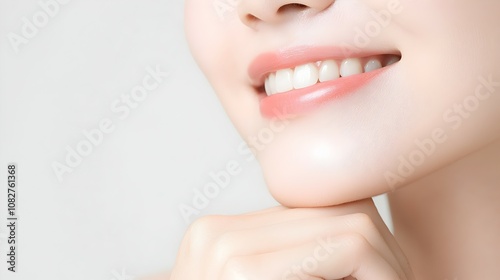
(300, 101)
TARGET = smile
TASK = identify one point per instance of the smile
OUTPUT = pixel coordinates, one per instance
(309, 74)
(297, 81)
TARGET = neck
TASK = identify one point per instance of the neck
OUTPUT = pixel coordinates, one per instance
(448, 223)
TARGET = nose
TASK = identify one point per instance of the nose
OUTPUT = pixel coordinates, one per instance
(252, 12)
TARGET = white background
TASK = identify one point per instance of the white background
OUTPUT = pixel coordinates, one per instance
(117, 212)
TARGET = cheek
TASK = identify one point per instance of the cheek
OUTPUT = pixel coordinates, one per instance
(223, 49)
(196, 19)
(459, 51)
(207, 35)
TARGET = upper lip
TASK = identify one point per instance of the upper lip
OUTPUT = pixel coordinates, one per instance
(269, 62)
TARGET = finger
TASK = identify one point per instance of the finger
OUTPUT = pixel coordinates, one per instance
(281, 214)
(366, 206)
(356, 257)
(203, 231)
(286, 235)
(347, 256)
(267, 211)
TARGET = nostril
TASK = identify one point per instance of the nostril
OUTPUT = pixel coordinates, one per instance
(251, 18)
(255, 12)
(293, 7)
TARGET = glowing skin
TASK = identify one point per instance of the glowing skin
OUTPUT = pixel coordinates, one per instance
(431, 108)
(363, 135)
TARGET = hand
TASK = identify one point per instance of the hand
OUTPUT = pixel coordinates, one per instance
(349, 241)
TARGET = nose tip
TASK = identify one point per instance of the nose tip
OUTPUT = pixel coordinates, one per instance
(251, 12)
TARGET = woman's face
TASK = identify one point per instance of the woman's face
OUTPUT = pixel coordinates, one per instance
(342, 100)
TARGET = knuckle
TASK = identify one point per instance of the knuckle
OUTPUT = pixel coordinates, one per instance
(202, 231)
(204, 225)
(361, 221)
(357, 244)
(224, 246)
(212, 235)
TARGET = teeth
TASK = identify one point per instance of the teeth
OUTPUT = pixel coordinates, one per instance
(372, 64)
(271, 84)
(328, 71)
(310, 74)
(284, 80)
(392, 59)
(350, 66)
(305, 76)
(267, 87)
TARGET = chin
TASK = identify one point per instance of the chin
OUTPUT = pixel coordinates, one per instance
(301, 174)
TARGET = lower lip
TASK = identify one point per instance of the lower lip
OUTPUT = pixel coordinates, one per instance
(301, 101)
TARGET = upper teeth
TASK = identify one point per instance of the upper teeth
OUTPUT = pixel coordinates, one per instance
(311, 73)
